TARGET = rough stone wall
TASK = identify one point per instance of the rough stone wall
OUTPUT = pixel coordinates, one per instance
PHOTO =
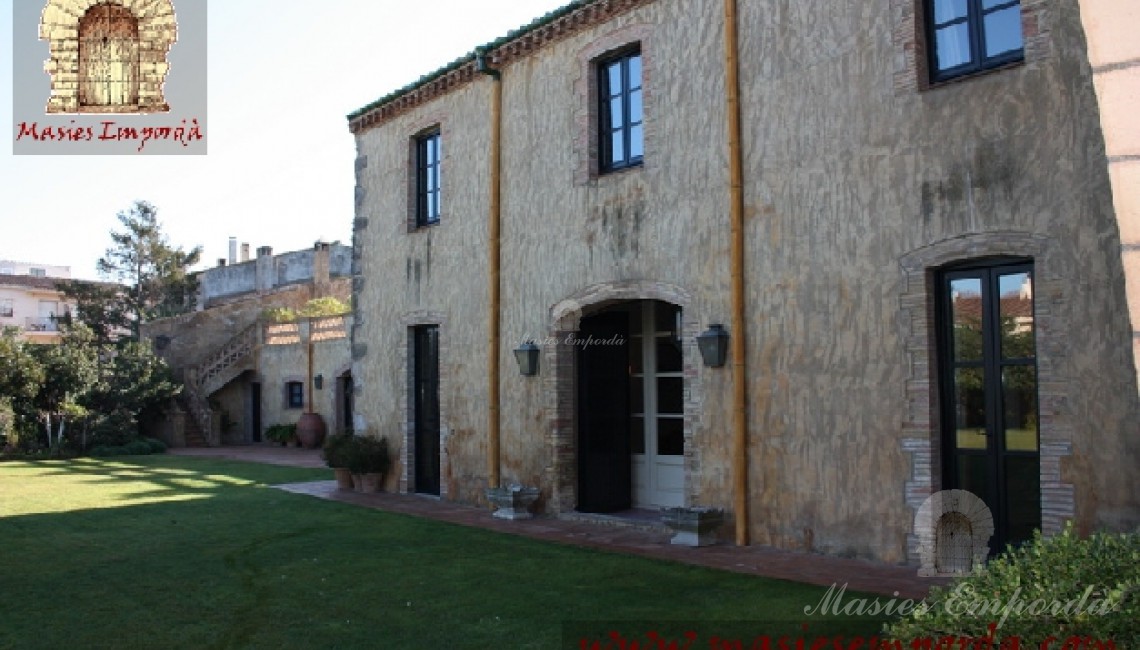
(223, 283)
(856, 190)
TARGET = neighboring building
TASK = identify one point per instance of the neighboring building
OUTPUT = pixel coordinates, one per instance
(31, 301)
(894, 155)
(243, 374)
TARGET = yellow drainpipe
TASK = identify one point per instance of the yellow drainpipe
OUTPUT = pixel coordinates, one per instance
(736, 218)
(493, 326)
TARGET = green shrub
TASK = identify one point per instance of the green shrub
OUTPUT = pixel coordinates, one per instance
(115, 429)
(282, 433)
(369, 455)
(1058, 587)
(156, 446)
(109, 450)
(338, 450)
(137, 448)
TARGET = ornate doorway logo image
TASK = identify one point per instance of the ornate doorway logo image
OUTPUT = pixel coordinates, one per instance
(109, 77)
(954, 529)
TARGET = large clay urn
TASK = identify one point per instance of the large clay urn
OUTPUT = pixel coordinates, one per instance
(311, 430)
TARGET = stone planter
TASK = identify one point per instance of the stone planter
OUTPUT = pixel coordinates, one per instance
(343, 478)
(693, 526)
(513, 502)
(368, 483)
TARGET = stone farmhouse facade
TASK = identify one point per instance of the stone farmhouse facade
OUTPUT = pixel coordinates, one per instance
(901, 213)
(243, 373)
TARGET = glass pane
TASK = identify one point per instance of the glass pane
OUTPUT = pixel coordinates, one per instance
(637, 435)
(966, 308)
(613, 71)
(972, 475)
(990, 4)
(617, 120)
(1003, 31)
(617, 147)
(1023, 496)
(635, 364)
(669, 396)
(945, 10)
(670, 436)
(430, 206)
(635, 106)
(635, 71)
(637, 395)
(970, 408)
(953, 45)
(1019, 400)
(668, 354)
(665, 317)
(1016, 314)
(636, 148)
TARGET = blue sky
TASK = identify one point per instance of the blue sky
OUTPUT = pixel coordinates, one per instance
(282, 76)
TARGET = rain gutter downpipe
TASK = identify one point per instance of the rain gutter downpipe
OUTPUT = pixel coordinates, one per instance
(736, 260)
(493, 326)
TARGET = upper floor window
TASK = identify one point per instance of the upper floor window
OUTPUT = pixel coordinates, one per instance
(427, 178)
(37, 273)
(6, 308)
(620, 119)
(967, 36)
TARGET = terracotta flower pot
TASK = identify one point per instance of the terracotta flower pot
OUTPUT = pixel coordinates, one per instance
(311, 430)
(343, 478)
(368, 483)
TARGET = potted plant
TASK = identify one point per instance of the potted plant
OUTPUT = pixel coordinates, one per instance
(282, 434)
(369, 462)
(338, 452)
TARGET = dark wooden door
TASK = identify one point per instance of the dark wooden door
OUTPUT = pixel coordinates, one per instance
(108, 57)
(255, 410)
(604, 454)
(425, 387)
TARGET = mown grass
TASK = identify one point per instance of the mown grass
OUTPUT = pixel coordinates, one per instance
(175, 552)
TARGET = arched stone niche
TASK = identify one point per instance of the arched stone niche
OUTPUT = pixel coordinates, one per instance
(108, 56)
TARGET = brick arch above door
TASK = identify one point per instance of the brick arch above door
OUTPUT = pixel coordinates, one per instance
(921, 435)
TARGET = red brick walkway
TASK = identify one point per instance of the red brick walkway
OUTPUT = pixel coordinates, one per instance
(858, 575)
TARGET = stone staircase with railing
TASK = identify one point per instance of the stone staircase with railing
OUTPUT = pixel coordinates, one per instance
(222, 366)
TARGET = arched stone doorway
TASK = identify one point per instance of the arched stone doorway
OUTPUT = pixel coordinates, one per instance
(108, 56)
(621, 430)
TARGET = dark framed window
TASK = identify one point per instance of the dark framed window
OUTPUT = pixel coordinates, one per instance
(967, 36)
(620, 128)
(427, 178)
(294, 394)
(6, 308)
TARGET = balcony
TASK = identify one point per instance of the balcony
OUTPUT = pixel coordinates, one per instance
(42, 324)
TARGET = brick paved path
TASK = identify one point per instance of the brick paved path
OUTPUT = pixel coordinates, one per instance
(645, 539)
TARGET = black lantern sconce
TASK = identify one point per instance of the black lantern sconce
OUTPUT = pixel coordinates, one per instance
(319, 381)
(713, 344)
(527, 357)
(161, 342)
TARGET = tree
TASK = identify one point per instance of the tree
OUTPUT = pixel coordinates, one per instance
(21, 376)
(70, 371)
(155, 273)
(101, 307)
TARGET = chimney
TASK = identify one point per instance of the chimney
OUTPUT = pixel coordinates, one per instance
(233, 250)
(245, 251)
(265, 269)
(321, 267)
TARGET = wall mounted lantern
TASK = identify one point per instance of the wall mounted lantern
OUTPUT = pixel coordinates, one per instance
(527, 357)
(319, 381)
(161, 342)
(713, 344)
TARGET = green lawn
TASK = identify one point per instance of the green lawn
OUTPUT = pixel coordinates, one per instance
(175, 552)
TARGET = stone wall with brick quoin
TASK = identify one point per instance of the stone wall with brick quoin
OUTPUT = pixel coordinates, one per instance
(860, 185)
